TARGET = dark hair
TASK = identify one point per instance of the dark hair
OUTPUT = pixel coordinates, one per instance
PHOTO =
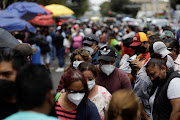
(131, 27)
(74, 75)
(156, 60)
(173, 43)
(13, 56)
(88, 66)
(127, 42)
(154, 38)
(33, 82)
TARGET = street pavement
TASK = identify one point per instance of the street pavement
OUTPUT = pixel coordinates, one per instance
(56, 76)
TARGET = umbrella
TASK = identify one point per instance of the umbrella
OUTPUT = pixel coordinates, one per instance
(25, 10)
(59, 10)
(43, 20)
(12, 23)
(7, 40)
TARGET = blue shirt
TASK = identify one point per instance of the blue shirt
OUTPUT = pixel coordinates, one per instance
(36, 57)
(28, 115)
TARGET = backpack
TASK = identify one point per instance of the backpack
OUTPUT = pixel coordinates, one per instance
(44, 45)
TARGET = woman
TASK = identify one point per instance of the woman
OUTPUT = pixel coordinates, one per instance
(77, 56)
(97, 94)
(165, 93)
(77, 41)
(123, 106)
(74, 103)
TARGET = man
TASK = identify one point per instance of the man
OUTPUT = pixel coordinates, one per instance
(143, 83)
(166, 34)
(173, 46)
(35, 94)
(109, 76)
(90, 43)
(129, 33)
(10, 62)
(141, 46)
(26, 50)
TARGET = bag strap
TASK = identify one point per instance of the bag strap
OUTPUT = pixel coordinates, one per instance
(57, 96)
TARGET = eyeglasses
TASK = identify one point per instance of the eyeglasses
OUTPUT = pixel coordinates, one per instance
(80, 91)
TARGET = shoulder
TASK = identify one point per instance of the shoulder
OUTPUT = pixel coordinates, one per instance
(173, 90)
(104, 92)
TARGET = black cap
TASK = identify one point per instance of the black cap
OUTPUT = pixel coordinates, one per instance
(106, 53)
(90, 39)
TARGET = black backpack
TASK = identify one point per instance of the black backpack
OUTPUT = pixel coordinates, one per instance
(44, 45)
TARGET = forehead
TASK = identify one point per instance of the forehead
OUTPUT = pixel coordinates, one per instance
(6, 66)
(88, 73)
(152, 69)
(76, 86)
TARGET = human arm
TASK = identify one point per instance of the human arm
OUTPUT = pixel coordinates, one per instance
(142, 89)
(175, 103)
(173, 93)
(143, 113)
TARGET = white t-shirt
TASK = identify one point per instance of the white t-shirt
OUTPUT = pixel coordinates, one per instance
(173, 92)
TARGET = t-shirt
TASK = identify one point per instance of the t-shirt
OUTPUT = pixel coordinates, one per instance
(28, 115)
(115, 81)
(173, 92)
(101, 100)
(36, 57)
(77, 41)
(64, 114)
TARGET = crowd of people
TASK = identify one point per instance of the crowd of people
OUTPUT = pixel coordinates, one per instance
(116, 72)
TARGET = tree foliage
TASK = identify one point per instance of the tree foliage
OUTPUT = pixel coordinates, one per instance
(174, 3)
(118, 6)
(78, 6)
(105, 8)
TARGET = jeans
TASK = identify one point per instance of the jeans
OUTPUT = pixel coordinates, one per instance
(60, 54)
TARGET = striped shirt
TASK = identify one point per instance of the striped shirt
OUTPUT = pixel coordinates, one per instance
(64, 114)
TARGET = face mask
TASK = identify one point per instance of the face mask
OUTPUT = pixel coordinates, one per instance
(75, 98)
(91, 84)
(7, 88)
(89, 49)
(107, 69)
(140, 49)
(76, 64)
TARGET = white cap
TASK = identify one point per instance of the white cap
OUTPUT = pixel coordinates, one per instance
(160, 47)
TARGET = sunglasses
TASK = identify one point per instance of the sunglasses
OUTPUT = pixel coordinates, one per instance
(73, 91)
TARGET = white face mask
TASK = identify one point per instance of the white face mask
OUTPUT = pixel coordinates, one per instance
(75, 98)
(89, 49)
(91, 84)
(76, 64)
(107, 69)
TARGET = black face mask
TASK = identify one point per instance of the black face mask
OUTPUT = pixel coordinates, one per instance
(7, 88)
(140, 49)
(156, 81)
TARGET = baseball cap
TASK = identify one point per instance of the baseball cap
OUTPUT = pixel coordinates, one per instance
(90, 39)
(139, 38)
(106, 53)
(26, 49)
(160, 47)
(167, 33)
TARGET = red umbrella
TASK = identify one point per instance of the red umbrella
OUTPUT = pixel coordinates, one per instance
(43, 20)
